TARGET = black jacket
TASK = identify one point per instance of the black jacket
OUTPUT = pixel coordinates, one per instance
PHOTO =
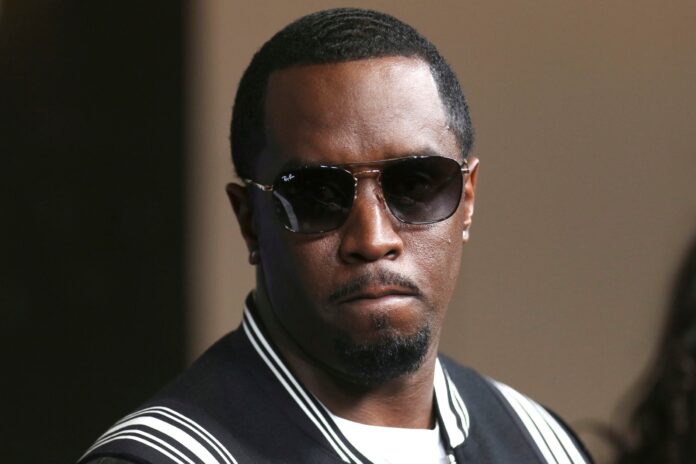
(240, 403)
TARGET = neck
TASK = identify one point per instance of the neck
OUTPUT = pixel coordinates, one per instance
(405, 401)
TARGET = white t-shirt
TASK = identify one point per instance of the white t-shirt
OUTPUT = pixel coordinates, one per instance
(394, 445)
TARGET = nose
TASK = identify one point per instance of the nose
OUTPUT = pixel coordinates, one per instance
(370, 232)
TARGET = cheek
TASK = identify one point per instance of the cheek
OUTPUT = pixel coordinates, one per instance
(296, 266)
(315, 259)
(438, 259)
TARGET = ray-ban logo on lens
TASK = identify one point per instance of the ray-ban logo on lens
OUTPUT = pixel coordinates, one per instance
(288, 177)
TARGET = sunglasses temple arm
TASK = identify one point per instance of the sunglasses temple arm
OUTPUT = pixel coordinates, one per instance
(265, 188)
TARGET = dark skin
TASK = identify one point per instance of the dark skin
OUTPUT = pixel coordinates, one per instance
(354, 112)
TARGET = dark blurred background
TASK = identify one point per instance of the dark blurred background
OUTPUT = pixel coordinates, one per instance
(91, 238)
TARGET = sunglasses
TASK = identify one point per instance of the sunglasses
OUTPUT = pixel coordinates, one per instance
(417, 190)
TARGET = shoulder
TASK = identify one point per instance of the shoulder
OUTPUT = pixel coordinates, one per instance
(497, 408)
(186, 417)
(555, 439)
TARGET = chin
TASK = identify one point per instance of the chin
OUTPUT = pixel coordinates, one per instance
(383, 356)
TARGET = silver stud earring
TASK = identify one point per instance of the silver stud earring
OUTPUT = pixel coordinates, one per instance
(254, 257)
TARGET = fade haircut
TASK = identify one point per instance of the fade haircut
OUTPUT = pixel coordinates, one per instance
(333, 36)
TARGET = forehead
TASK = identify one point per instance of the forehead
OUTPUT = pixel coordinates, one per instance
(352, 112)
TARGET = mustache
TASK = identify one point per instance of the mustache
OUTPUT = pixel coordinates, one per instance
(382, 277)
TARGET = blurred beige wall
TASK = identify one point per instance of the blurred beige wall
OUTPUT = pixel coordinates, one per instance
(584, 114)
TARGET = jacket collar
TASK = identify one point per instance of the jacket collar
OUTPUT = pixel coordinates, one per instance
(452, 412)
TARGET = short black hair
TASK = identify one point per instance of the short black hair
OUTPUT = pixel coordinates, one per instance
(332, 36)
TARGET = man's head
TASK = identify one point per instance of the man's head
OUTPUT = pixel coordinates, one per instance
(364, 299)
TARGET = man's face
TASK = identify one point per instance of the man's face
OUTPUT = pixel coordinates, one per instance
(367, 298)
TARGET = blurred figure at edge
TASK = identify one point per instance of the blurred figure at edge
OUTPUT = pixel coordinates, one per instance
(662, 426)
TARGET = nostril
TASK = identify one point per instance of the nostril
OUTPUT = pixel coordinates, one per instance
(366, 254)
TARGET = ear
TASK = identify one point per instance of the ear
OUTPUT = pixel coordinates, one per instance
(469, 195)
(241, 204)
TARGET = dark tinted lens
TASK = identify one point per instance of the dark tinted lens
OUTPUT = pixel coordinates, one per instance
(423, 190)
(314, 200)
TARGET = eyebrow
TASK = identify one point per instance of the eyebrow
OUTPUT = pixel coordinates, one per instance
(292, 164)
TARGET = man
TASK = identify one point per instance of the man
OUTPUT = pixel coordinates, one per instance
(352, 137)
